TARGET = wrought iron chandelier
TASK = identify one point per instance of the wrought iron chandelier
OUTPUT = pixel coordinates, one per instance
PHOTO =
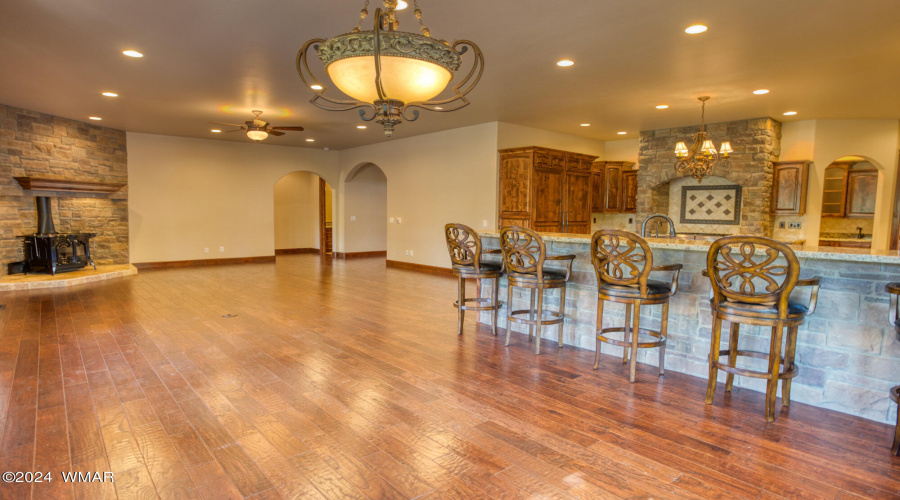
(702, 157)
(388, 71)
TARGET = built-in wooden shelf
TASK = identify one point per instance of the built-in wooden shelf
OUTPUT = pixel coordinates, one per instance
(72, 186)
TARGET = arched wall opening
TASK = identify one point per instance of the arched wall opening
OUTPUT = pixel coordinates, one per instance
(850, 190)
(365, 211)
(303, 214)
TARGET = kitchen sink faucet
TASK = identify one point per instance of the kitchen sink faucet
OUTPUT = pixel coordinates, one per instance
(654, 216)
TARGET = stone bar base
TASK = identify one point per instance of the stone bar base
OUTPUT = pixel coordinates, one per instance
(846, 351)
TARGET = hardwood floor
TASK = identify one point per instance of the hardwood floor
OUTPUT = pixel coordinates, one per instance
(347, 380)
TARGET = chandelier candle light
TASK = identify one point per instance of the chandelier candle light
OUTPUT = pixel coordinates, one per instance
(702, 157)
(389, 71)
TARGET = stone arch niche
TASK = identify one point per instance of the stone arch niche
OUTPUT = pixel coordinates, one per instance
(756, 143)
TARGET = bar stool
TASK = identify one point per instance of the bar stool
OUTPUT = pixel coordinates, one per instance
(623, 262)
(524, 255)
(464, 246)
(894, 290)
(752, 279)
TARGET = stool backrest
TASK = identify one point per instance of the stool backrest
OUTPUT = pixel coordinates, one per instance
(752, 269)
(894, 312)
(621, 258)
(523, 250)
(464, 245)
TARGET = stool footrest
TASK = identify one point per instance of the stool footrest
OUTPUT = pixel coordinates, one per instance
(487, 307)
(641, 331)
(782, 374)
(514, 317)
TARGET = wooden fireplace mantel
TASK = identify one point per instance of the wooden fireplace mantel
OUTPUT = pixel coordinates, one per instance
(72, 186)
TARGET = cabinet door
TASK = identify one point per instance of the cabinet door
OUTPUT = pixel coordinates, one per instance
(515, 172)
(547, 196)
(597, 194)
(613, 184)
(834, 191)
(629, 191)
(861, 188)
(789, 188)
(577, 202)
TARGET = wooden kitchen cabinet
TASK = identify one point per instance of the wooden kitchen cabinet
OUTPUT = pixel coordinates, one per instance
(790, 180)
(614, 187)
(848, 192)
(545, 189)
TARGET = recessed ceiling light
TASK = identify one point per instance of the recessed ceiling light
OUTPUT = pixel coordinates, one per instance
(621, 133)
(585, 124)
(95, 118)
(360, 126)
(110, 94)
(695, 29)
(215, 131)
(316, 86)
(401, 5)
(133, 53)
(761, 91)
(565, 63)
(789, 113)
(310, 140)
(662, 106)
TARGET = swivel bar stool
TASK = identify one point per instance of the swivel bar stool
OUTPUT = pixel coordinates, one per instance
(524, 255)
(894, 290)
(623, 262)
(464, 246)
(752, 279)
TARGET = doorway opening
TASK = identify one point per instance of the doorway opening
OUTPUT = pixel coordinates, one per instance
(303, 214)
(849, 189)
(365, 208)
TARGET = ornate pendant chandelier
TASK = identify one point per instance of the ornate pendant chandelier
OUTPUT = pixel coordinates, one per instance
(702, 157)
(389, 71)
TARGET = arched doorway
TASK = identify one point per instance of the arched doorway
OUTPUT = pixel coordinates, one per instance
(365, 212)
(303, 215)
(849, 201)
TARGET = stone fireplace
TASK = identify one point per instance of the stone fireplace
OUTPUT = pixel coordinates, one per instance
(756, 143)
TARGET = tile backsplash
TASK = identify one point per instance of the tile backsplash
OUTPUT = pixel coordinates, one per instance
(709, 198)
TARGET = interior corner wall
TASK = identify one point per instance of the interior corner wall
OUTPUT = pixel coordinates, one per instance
(365, 200)
(190, 194)
(296, 197)
(622, 150)
(513, 136)
(432, 179)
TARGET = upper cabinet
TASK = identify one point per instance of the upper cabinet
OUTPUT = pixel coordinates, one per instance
(789, 187)
(614, 187)
(849, 191)
(547, 190)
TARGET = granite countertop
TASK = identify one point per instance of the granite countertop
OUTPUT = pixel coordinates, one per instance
(863, 239)
(806, 251)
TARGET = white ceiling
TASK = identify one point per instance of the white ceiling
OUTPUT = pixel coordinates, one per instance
(215, 60)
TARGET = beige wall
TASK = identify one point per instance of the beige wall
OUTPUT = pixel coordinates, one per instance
(824, 141)
(296, 198)
(365, 201)
(514, 136)
(190, 194)
(624, 150)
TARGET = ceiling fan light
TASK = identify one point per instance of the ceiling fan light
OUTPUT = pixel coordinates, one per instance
(257, 135)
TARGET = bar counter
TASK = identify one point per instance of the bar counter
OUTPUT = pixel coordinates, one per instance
(847, 351)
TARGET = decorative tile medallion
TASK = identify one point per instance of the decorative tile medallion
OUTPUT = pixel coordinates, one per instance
(711, 205)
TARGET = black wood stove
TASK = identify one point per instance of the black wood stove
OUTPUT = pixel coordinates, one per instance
(50, 251)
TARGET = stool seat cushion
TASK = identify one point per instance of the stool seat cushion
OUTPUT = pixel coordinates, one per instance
(550, 276)
(796, 310)
(655, 289)
(488, 268)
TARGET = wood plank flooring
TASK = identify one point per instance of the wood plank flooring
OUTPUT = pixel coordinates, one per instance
(347, 380)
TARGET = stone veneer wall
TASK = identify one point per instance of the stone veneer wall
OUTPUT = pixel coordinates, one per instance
(39, 145)
(756, 143)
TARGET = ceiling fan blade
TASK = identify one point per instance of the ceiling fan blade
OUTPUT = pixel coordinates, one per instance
(298, 129)
(229, 124)
(275, 132)
(235, 130)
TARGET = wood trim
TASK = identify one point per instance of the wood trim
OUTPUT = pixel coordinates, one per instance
(322, 249)
(205, 262)
(440, 271)
(43, 184)
(895, 218)
(292, 251)
(359, 255)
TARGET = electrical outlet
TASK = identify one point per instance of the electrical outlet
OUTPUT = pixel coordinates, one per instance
(352, 218)
(407, 252)
(399, 220)
(221, 249)
(794, 225)
(484, 223)
(781, 225)
(595, 220)
(391, 220)
(206, 250)
(410, 253)
(631, 220)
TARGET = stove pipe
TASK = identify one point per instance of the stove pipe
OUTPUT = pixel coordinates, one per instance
(45, 216)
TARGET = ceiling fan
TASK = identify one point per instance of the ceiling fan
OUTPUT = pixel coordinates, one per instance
(258, 129)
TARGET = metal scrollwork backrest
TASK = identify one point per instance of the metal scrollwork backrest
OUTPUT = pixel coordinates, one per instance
(464, 245)
(752, 269)
(621, 258)
(523, 250)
